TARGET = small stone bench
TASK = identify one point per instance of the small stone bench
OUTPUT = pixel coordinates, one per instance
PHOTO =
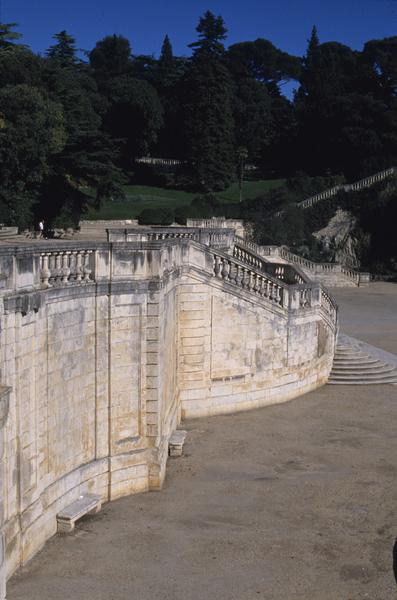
(87, 504)
(177, 439)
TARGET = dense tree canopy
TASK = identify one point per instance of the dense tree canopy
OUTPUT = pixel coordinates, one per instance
(69, 124)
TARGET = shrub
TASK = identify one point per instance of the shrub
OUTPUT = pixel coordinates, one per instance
(156, 216)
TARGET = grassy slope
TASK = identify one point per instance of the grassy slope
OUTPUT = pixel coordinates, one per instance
(139, 197)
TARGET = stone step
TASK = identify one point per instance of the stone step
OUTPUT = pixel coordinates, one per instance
(348, 352)
(386, 377)
(382, 368)
(392, 380)
(357, 363)
(354, 355)
(367, 377)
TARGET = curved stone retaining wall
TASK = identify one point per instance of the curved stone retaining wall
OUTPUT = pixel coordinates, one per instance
(107, 346)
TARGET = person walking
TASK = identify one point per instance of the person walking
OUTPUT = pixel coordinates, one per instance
(41, 228)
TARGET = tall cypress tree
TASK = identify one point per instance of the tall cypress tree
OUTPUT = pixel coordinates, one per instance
(209, 118)
(166, 59)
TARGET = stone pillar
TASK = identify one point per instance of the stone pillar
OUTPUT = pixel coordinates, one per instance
(4, 403)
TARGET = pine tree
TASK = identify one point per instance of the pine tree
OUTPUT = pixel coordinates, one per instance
(8, 36)
(166, 59)
(209, 118)
(64, 51)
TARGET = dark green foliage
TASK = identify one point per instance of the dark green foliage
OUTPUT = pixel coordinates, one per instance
(166, 60)
(262, 61)
(111, 57)
(32, 131)
(64, 51)
(156, 216)
(285, 230)
(8, 37)
(134, 116)
(347, 109)
(209, 125)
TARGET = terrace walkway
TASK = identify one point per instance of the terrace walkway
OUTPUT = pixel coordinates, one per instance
(290, 502)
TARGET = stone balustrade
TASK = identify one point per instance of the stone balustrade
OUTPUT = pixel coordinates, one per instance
(251, 252)
(285, 272)
(348, 187)
(315, 268)
(215, 237)
(164, 162)
(65, 267)
(302, 295)
(249, 279)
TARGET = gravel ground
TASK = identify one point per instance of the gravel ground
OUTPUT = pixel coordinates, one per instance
(290, 502)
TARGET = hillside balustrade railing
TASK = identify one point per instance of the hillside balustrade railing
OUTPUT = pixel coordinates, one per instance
(348, 187)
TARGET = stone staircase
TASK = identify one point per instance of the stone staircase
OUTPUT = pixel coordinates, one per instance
(357, 363)
(329, 274)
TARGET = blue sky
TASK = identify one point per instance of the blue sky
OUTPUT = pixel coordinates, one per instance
(287, 23)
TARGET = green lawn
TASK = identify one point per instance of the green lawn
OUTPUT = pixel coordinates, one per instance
(139, 197)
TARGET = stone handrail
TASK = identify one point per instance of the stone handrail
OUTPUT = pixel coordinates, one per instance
(304, 263)
(247, 244)
(250, 279)
(216, 222)
(65, 267)
(169, 162)
(43, 267)
(284, 272)
(250, 253)
(215, 237)
(271, 289)
(47, 264)
(314, 267)
(347, 187)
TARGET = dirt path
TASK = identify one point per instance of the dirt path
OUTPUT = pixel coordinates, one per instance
(291, 502)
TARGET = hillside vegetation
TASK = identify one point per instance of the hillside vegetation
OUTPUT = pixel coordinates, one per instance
(70, 123)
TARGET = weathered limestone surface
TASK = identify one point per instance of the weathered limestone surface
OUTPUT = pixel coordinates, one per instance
(107, 347)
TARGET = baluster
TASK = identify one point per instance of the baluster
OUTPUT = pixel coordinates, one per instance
(58, 268)
(262, 290)
(281, 295)
(225, 269)
(65, 267)
(257, 284)
(73, 265)
(217, 266)
(51, 267)
(245, 279)
(239, 275)
(86, 266)
(232, 272)
(79, 266)
(45, 273)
